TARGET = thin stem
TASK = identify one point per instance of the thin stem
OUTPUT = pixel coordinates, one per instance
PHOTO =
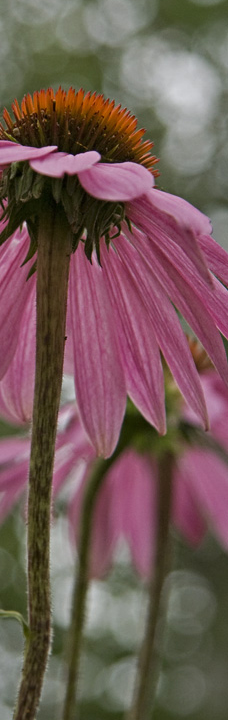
(52, 282)
(100, 468)
(81, 586)
(146, 680)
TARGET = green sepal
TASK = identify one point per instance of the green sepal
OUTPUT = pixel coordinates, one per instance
(16, 216)
(14, 615)
(31, 251)
(56, 187)
(32, 270)
(38, 185)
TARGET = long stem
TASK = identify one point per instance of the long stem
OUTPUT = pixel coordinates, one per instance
(146, 680)
(52, 282)
(128, 430)
(81, 586)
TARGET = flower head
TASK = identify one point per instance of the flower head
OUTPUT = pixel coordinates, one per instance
(126, 506)
(136, 253)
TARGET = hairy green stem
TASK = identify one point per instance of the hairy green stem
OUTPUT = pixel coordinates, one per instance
(52, 281)
(148, 668)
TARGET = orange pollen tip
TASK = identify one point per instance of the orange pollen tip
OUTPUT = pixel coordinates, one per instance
(77, 122)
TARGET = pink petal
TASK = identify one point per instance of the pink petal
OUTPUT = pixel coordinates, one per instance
(189, 302)
(169, 334)
(99, 377)
(73, 448)
(60, 163)
(217, 257)
(186, 515)
(116, 181)
(11, 448)
(17, 386)
(125, 509)
(103, 540)
(133, 479)
(13, 478)
(140, 352)
(207, 477)
(13, 152)
(179, 221)
(182, 212)
(14, 291)
(215, 298)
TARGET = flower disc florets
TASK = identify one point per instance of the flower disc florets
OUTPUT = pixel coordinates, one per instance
(74, 123)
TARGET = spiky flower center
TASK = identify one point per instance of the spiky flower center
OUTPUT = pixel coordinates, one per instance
(76, 122)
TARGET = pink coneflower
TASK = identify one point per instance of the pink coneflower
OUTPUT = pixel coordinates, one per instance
(126, 506)
(136, 252)
(73, 453)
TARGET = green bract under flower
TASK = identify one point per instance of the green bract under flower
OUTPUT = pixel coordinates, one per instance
(75, 124)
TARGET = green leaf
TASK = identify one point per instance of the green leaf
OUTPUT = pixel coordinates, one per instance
(14, 615)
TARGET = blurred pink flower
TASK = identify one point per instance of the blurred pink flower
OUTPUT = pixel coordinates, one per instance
(73, 453)
(154, 252)
(126, 507)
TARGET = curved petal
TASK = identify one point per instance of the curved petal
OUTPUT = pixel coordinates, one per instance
(103, 538)
(99, 377)
(133, 480)
(13, 477)
(140, 352)
(116, 181)
(11, 448)
(17, 386)
(13, 152)
(170, 206)
(125, 508)
(60, 163)
(207, 477)
(14, 291)
(188, 276)
(217, 257)
(186, 514)
(168, 331)
(190, 304)
(73, 448)
(177, 220)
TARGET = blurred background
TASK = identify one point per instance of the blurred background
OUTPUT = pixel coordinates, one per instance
(167, 61)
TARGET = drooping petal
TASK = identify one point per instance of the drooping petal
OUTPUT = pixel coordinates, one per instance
(168, 331)
(116, 181)
(12, 448)
(103, 532)
(14, 291)
(179, 222)
(60, 163)
(216, 256)
(14, 462)
(186, 514)
(125, 509)
(190, 303)
(73, 449)
(13, 152)
(134, 497)
(17, 386)
(187, 275)
(207, 477)
(141, 356)
(99, 377)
